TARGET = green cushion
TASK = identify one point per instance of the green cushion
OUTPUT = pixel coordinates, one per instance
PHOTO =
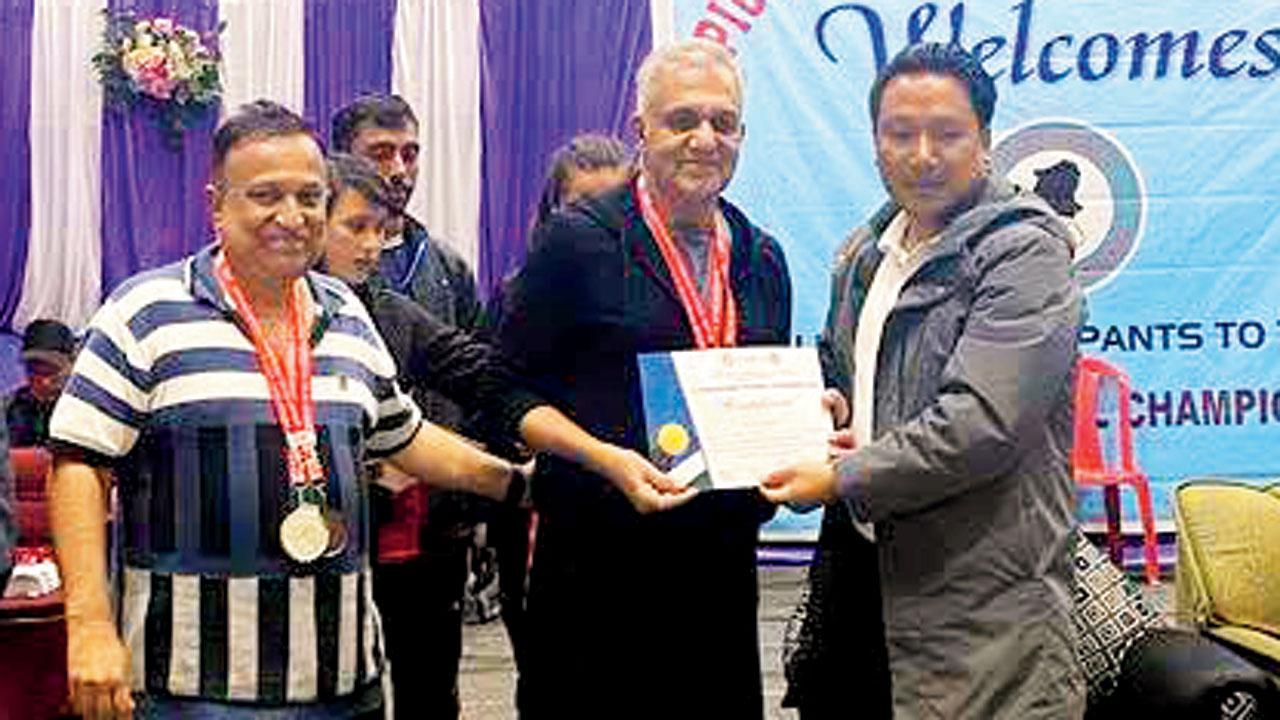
(1229, 558)
(1260, 643)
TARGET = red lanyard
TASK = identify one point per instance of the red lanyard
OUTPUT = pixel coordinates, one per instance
(288, 379)
(716, 326)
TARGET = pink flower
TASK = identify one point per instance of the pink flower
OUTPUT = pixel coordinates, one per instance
(163, 25)
(149, 68)
(157, 83)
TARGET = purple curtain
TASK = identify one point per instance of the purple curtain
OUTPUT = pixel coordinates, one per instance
(153, 203)
(548, 70)
(16, 18)
(348, 53)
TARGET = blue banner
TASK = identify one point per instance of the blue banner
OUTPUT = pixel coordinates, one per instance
(1153, 128)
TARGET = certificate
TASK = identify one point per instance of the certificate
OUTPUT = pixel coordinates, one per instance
(726, 418)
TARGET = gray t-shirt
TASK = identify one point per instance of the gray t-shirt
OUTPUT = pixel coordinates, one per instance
(695, 245)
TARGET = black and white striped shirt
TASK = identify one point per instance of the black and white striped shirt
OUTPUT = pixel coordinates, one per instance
(168, 393)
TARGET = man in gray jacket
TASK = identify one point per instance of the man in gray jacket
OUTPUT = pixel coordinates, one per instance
(952, 334)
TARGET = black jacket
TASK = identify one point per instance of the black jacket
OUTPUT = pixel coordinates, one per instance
(614, 594)
(595, 292)
(434, 356)
(441, 282)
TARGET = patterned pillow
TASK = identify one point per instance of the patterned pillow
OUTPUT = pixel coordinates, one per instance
(1111, 614)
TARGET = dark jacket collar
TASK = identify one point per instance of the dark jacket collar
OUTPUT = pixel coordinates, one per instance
(618, 212)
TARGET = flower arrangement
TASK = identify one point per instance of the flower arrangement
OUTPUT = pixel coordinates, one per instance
(168, 68)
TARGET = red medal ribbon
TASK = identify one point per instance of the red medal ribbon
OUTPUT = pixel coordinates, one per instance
(288, 379)
(716, 326)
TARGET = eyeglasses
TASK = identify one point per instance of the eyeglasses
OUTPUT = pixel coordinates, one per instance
(684, 120)
(271, 195)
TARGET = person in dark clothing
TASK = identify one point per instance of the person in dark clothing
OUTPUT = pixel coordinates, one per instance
(417, 552)
(634, 615)
(588, 165)
(434, 355)
(48, 349)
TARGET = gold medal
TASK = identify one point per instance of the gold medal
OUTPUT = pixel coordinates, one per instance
(304, 535)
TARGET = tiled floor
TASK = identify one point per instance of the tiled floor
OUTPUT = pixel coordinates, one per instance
(486, 680)
(487, 684)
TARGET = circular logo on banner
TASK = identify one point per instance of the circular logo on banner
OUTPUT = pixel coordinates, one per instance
(1090, 179)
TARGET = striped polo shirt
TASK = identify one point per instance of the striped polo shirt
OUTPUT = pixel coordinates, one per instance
(168, 394)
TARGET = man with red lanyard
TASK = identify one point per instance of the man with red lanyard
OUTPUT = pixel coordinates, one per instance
(234, 397)
(618, 598)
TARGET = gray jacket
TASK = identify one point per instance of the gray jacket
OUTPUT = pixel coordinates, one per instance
(967, 479)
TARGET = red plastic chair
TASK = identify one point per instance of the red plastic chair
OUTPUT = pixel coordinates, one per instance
(33, 633)
(1091, 466)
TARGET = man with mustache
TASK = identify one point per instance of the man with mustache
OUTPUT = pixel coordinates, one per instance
(430, 563)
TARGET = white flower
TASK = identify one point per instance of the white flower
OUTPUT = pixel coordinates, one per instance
(163, 25)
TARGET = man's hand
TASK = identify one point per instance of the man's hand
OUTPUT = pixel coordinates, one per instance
(802, 486)
(648, 489)
(97, 662)
(392, 479)
(840, 443)
(837, 406)
(98, 671)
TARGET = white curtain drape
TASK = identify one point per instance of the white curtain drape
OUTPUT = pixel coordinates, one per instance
(662, 19)
(64, 267)
(435, 66)
(263, 57)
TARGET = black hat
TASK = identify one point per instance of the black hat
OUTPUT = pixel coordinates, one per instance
(48, 340)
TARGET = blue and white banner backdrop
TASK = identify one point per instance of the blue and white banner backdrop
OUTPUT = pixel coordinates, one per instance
(1154, 128)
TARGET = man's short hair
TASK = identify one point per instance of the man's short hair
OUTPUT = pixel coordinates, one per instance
(257, 120)
(585, 152)
(695, 51)
(389, 112)
(351, 172)
(940, 59)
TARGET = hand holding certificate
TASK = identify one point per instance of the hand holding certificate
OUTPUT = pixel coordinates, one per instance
(727, 417)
